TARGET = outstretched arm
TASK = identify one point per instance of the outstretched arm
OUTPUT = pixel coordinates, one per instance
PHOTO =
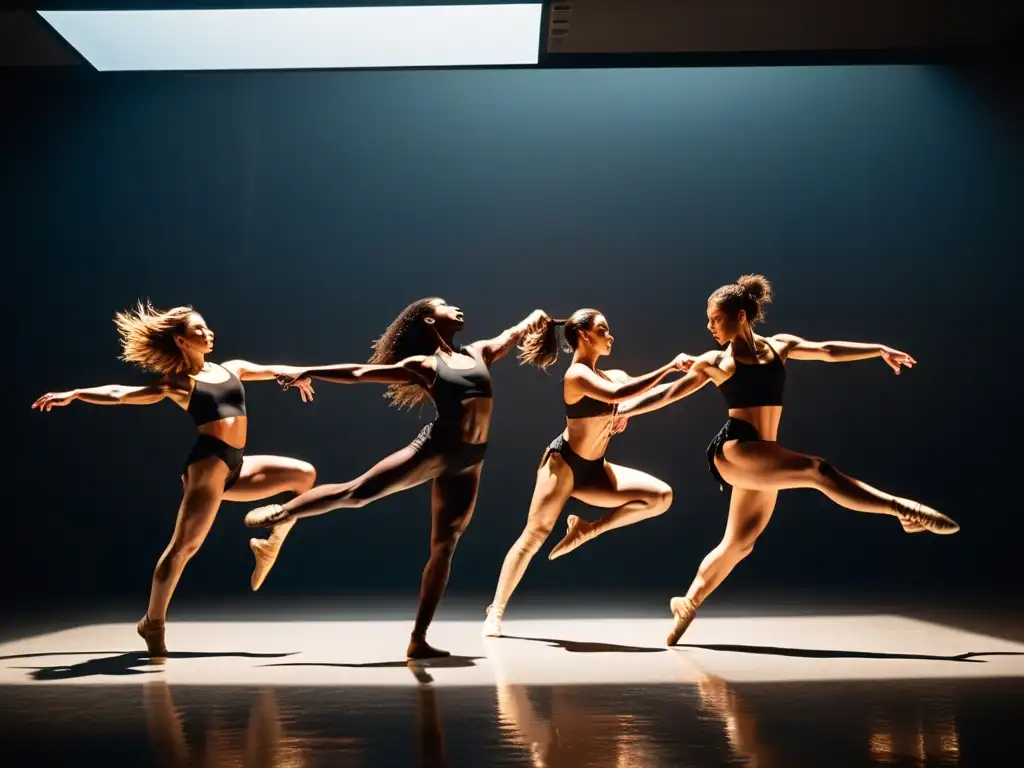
(412, 370)
(796, 348)
(663, 394)
(111, 394)
(248, 371)
(494, 349)
(588, 383)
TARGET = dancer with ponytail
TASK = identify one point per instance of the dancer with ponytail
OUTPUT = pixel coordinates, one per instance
(574, 464)
(750, 373)
(174, 344)
(417, 357)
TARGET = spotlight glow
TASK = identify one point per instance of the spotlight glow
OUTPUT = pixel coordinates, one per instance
(304, 38)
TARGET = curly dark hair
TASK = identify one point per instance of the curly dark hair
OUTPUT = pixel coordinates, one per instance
(750, 293)
(407, 336)
(541, 347)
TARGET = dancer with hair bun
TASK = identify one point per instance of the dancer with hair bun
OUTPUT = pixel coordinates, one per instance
(750, 373)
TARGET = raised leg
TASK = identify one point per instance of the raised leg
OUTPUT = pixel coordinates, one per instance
(767, 466)
(633, 494)
(262, 477)
(400, 471)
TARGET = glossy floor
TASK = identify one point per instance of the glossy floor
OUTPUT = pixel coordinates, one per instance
(760, 691)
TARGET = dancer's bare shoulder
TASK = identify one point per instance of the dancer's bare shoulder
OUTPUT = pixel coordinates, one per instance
(716, 364)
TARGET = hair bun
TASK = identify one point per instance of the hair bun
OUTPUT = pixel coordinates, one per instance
(756, 287)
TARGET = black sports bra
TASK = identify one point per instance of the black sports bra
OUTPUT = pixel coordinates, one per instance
(588, 406)
(454, 385)
(755, 384)
(213, 402)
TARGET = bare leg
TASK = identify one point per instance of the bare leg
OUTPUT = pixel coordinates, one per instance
(204, 487)
(400, 471)
(758, 470)
(262, 477)
(452, 500)
(551, 491)
(749, 513)
(635, 496)
(767, 466)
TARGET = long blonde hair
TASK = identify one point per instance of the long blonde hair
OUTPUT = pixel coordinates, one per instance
(147, 337)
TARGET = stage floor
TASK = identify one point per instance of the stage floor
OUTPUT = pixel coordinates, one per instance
(757, 690)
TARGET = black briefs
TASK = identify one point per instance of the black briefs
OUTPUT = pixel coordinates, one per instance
(207, 446)
(586, 473)
(438, 439)
(733, 429)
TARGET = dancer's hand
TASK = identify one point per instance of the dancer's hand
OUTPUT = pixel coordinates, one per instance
(53, 400)
(536, 320)
(305, 386)
(896, 359)
(683, 362)
(619, 425)
(302, 383)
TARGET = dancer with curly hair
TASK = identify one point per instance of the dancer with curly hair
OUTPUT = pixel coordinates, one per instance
(174, 344)
(750, 373)
(417, 358)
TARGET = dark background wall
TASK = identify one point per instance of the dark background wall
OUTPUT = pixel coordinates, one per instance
(301, 211)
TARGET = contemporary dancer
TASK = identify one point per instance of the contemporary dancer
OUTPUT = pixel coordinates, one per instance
(574, 464)
(750, 372)
(417, 357)
(174, 343)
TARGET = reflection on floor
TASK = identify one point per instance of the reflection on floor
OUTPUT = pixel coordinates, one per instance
(533, 652)
(832, 691)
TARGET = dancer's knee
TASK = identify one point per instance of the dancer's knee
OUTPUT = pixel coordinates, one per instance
(813, 471)
(738, 547)
(820, 473)
(660, 500)
(744, 548)
(444, 549)
(533, 538)
(305, 477)
(178, 553)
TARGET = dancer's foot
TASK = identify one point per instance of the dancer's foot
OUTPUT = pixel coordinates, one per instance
(419, 648)
(492, 624)
(580, 531)
(683, 610)
(152, 631)
(913, 514)
(265, 551)
(266, 517)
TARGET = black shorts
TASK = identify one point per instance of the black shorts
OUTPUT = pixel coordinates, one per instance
(586, 473)
(733, 429)
(207, 446)
(437, 439)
